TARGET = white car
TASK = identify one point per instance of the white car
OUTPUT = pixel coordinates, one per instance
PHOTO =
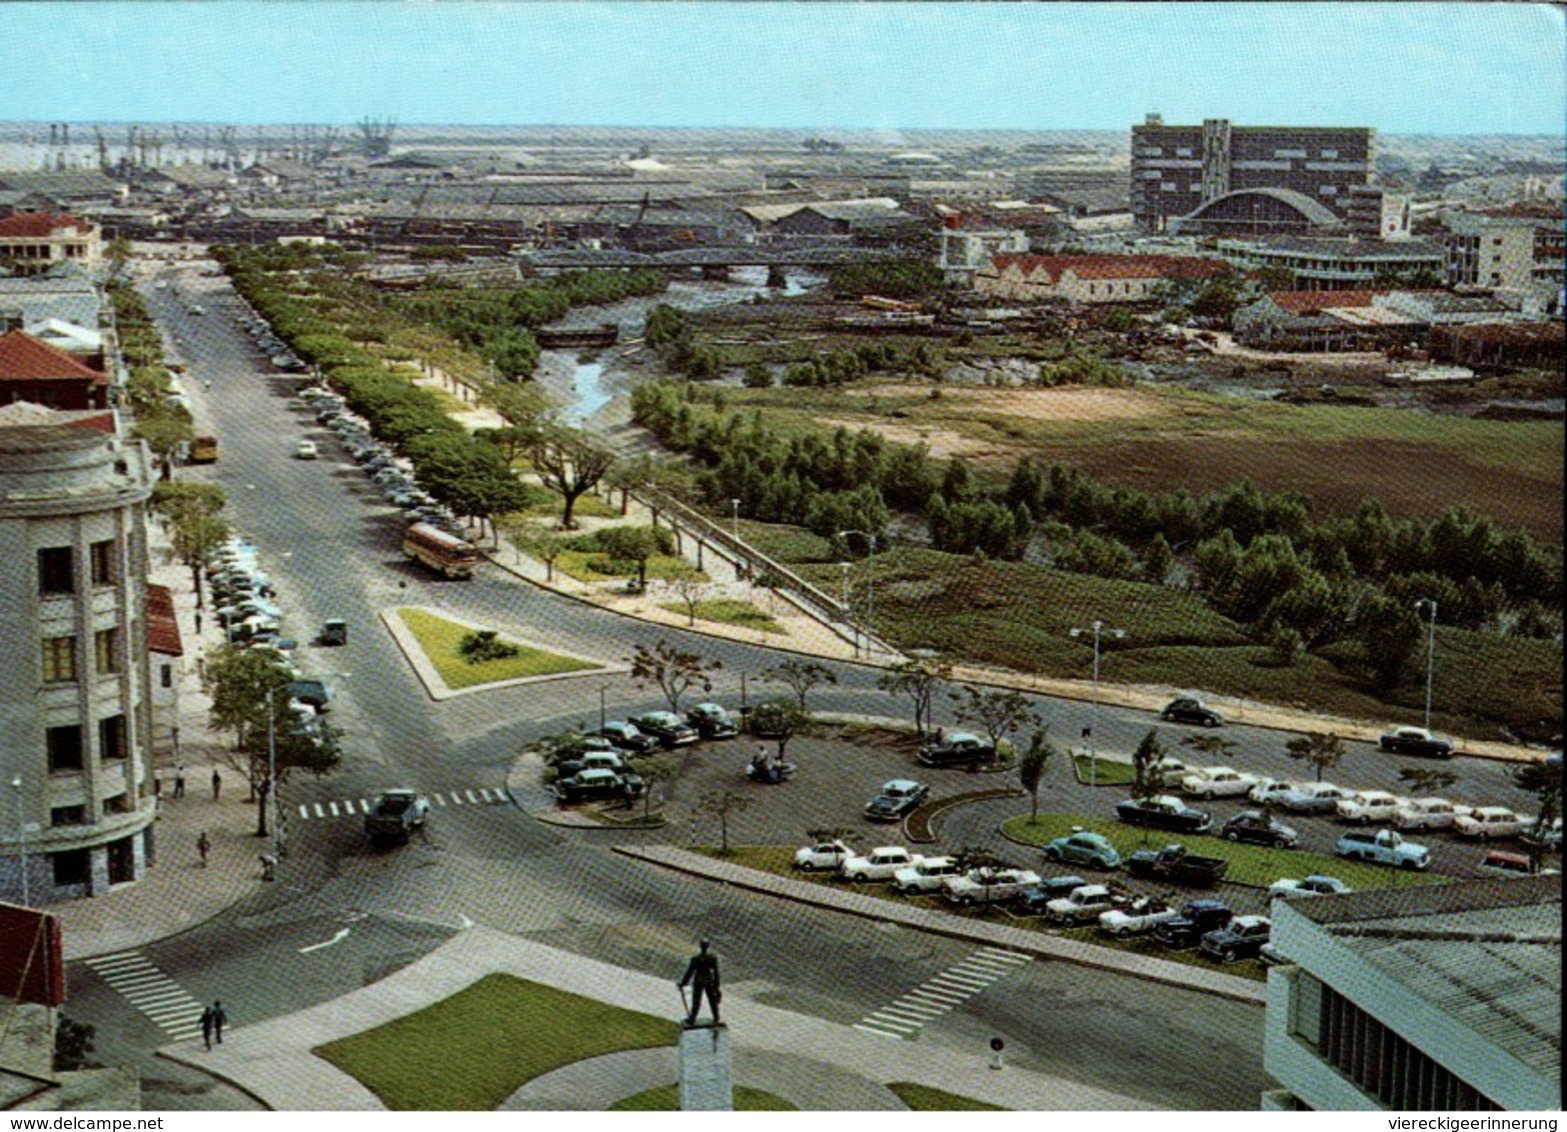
(305, 450)
(1313, 798)
(824, 855)
(878, 864)
(926, 876)
(1367, 806)
(1218, 782)
(1140, 916)
(1428, 813)
(1487, 822)
(987, 886)
(1317, 885)
(1268, 790)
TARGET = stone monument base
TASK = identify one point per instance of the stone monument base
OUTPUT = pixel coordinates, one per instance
(706, 1070)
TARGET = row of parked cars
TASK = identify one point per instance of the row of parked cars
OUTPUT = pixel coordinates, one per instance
(600, 768)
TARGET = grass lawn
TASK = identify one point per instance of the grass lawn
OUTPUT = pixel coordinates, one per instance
(666, 1098)
(729, 611)
(1249, 864)
(923, 1098)
(439, 639)
(473, 1050)
(1102, 772)
(588, 506)
(580, 564)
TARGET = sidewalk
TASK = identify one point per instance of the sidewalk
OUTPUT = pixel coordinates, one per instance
(820, 1066)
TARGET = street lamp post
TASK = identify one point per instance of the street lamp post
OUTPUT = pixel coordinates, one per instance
(21, 840)
(1430, 653)
(1099, 630)
(272, 766)
(847, 611)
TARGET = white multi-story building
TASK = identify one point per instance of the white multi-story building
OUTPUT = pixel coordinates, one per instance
(1435, 998)
(75, 710)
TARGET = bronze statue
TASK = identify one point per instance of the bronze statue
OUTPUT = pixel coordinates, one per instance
(702, 975)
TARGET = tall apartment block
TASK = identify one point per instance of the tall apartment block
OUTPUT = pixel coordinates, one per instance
(1177, 168)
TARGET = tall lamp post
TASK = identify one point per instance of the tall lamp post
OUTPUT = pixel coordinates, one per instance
(1430, 652)
(870, 588)
(272, 792)
(847, 612)
(1099, 630)
(21, 840)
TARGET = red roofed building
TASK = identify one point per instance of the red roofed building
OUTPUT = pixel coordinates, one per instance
(1090, 278)
(31, 370)
(33, 242)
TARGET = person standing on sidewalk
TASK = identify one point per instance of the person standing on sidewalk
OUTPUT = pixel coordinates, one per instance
(217, 784)
(219, 1017)
(203, 846)
(179, 781)
(206, 1026)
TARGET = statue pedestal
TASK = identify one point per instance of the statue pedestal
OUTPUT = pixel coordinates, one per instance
(706, 1073)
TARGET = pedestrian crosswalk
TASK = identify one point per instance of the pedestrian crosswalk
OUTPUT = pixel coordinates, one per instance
(152, 992)
(349, 807)
(941, 993)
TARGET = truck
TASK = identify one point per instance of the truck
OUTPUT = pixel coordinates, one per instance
(395, 815)
(1174, 864)
(1384, 847)
(203, 450)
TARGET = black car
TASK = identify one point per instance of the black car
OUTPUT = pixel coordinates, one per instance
(316, 693)
(1415, 741)
(712, 721)
(1197, 919)
(667, 727)
(1257, 828)
(1032, 900)
(1191, 711)
(959, 749)
(1241, 938)
(594, 783)
(626, 737)
(1163, 811)
(896, 798)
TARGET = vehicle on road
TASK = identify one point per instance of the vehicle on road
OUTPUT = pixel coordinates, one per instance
(1085, 903)
(1312, 798)
(395, 814)
(1487, 823)
(1503, 862)
(667, 728)
(961, 748)
(317, 693)
(1082, 847)
(1176, 865)
(1163, 811)
(926, 876)
(306, 450)
(203, 450)
(592, 760)
(1137, 918)
(712, 721)
(627, 736)
(1427, 813)
(1268, 790)
(333, 632)
(879, 864)
(1191, 710)
(987, 885)
(897, 798)
(1385, 847)
(1367, 806)
(1415, 741)
(444, 553)
(598, 783)
(1035, 899)
(1314, 885)
(824, 856)
(1218, 782)
(1197, 919)
(1255, 827)
(1241, 938)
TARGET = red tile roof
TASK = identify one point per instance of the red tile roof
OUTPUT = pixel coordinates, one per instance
(163, 631)
(25, 358)
(1298, 302)
(1113, 266)
(37, 225)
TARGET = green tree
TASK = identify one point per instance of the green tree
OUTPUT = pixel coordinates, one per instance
(801, 676)
(569, 462)
(1147, 778)
(654, 772)
(756, 376)
(917, 679)
(997, 713)
(630, 544)
(721, 805)
(165, 431)
(1157, 560)
(1389, 631)
(1426, 780)
(1031, 768)
(1320, 750)
(192, 513)
(74, 1044)
(781, 718)
(536, 542)
(1543, 779)
(672, 670)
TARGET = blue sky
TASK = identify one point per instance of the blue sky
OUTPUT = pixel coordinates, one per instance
(1447, 68)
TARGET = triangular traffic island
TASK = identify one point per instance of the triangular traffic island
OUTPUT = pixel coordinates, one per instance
(454, 657)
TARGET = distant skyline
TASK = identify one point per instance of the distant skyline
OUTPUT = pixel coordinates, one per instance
(1403, 68)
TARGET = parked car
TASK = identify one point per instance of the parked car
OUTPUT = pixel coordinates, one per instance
(1217, 782)
(1503, 862)
(1315, 885)
(712, 721)
(1035, 899)
(1175, 865)
(1427, 813)
(596, 783)
(1197, 919)
(1366, 806)
(316, 693)
(825, 856)
(987, 885)
(1489, 822)
(627, 737)
(1163, 811)
(1415, 741)
(1256, 828)
(1082, 847)
(592, 760)
(961, 748)
(1385, 847)
(667, 727)
(879, 864)
(926, 875)
(1268, 790)
(1189, 710)
(395, 815)
(1137, 918)
(1241, 938)
(896, 799)
(1085, 903)
(305, 450)
(1312, 798)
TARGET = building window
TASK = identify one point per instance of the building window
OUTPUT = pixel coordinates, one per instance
(56, 571)
(73, 866)
(111, 737)
(119, 804)
(59, 660)
(1329, 154)
(65, 747)
(68, 815)
(103, 562)
(166, 676)
(106, 647)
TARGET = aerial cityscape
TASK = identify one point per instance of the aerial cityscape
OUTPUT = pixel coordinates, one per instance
(813, 558)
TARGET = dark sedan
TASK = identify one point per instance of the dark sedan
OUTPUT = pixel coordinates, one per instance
(1197, 919)
(712, 721)
(626, 737)
(1257, 828)
(1032, 900)
(1415, 741)
(896, 799)
(667, 727)
(959, 749)
(1164, 811)
(1191, 711)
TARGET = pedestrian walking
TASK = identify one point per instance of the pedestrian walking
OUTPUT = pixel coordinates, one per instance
(203, 846)
(206, 1026)
(157, 787)
(219, 1017)
(179, 781)
(217, 784)
(268, 866)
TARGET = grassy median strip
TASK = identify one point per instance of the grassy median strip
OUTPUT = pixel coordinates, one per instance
(666, 1098)
(471, 1051)
(728, 611)
(923, 1098)
(439, 638)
